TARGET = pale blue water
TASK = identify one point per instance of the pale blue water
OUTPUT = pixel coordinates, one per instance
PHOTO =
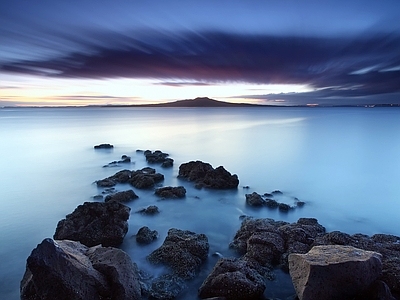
(343, 162)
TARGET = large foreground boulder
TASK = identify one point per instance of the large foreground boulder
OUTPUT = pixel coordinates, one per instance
(204, 175)
(94, 223)
(71, 271)
(333, 272)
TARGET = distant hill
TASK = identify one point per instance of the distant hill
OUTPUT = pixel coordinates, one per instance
(199, 102)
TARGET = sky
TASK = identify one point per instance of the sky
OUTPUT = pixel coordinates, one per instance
(274, 52)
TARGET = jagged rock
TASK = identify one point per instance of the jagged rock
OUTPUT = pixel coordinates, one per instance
(171, 192)
(254, 199)
(94, 223)
(265, 247)
(124, 196)
(270, 203)
(167, 163)
(104, 146)
(183, 252)
(150, 210)
(145, 235)
(333, 272)
(204, 175)
(68, 270)
(233, 279)
(284, 207)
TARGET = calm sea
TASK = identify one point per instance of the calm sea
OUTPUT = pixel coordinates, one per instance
(344, 163)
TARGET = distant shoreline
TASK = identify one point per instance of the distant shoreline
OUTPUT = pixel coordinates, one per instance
(205, 103)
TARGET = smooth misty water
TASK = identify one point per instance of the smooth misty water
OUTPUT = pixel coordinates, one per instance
(343, 162)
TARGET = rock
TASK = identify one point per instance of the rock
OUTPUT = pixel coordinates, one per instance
(141, 179)
(183, 252)
(150, 210)
(254, 199)
(124, 196)
(284, 207)
(104, 146)
(270, 203)
(376, 291)
(277, 192)
(204, 175)
(71, 271)
(119, 270)
(265, 247)
(171, 192)
(158, 157)
(94, 223)
(125, 159)
(145, 235)
(333, 272)
(233, 278)
(145, 178)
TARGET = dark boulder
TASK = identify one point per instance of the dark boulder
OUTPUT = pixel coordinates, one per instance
(254, 199)
(166, 287)
(94, 223)
(171, 192)
(104, 146)
(271, 203)
(183, 252)
(124, 196)
(204, 175)
(233, 279)
(284, 207)
(71, 271)
(145, 235)
(167, 163)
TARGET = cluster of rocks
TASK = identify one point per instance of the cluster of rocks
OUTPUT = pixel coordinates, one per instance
(80, 262)
(158, 157)
(145, 178)
(204, 175)
(257, 200)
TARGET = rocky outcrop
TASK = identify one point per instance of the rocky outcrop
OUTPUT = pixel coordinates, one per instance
(204, 175)
(333, 272)
(94, 223)
(171, 192)
(124, 196)
(254, 199)
(257, 200)
(145, 235)
(142, 179)
(104, 146)
(71, 271)
(159, 157)
(233, 278)
(183, 252)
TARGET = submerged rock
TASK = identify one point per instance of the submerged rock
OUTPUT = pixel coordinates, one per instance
(158, 157)
(254, 199)
(94, 223)
(150, 210)
(141, 179)
(333, 272)
(204, 175)
(71, 271)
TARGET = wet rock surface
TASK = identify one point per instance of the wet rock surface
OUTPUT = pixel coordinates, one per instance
(204, 175)
(94, 223)
(145, 235)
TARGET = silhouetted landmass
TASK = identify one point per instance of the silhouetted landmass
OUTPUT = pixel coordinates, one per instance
(199, 102)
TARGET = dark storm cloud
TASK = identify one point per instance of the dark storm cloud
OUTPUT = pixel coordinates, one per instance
(345, 65)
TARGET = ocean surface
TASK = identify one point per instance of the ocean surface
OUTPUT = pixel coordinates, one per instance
(344, 163)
